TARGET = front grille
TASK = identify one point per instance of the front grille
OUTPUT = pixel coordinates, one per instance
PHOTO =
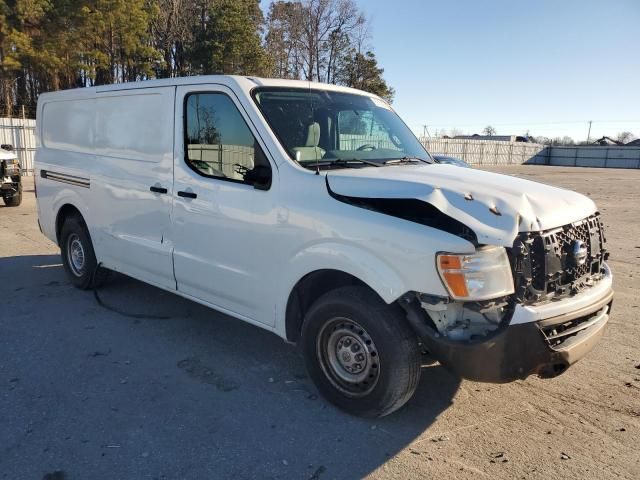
(546, 264)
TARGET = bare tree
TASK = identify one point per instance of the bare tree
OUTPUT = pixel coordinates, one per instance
(362, 36)
(346, 31)
(171, 29)
(283, 40)
(541, 139)
(489, 131)
(310, 39)
(624, 137)
(328, 26)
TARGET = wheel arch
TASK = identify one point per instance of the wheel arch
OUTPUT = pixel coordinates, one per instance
(65, 211)
(321, 267)
(307, 290)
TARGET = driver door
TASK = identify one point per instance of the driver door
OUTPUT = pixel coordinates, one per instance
(222, 220)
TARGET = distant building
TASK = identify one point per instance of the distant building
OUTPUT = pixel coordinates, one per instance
(495, 138)
(606, 142)
(633, 143)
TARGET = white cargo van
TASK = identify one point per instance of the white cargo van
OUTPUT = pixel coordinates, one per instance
(312, 211)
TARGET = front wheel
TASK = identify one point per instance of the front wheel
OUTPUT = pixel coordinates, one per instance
(16, 199)
(360, 352)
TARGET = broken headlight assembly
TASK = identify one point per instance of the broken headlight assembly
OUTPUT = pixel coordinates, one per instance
(482, 275)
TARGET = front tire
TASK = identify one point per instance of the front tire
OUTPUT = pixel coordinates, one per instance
(78, 256)
(360, 352)
(16, 199)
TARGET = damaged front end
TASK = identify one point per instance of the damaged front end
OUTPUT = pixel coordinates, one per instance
(496, 350)
(525, 333)
(464, 321)
(473, 339)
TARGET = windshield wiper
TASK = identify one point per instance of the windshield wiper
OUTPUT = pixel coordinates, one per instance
(397, 161)
(343, 162)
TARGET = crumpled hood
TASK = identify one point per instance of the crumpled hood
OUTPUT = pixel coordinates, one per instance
(469, 196)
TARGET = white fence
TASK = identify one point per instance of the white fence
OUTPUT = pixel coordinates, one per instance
(353, 142)
(486, 152)
(489, 152)
(582, 156)
(21, 133)
(474, 152)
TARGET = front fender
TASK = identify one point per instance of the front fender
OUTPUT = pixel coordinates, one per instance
(347, 258)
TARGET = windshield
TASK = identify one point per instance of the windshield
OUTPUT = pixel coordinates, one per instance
(336, 128)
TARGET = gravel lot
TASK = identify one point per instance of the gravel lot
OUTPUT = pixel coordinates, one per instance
(194, 394)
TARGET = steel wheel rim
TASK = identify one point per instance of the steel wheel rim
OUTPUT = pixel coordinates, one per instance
(75, 255)
(348, 357)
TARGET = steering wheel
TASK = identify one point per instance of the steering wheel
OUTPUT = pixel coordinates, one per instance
(366, 146)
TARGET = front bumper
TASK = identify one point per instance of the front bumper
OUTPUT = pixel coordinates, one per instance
(546, 345)
(9, 183)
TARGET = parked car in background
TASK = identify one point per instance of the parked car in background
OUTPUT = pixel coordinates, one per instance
(312, 211)
(458, 162)
(10, 177)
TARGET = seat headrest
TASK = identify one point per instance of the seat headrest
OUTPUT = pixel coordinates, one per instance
(313, 135)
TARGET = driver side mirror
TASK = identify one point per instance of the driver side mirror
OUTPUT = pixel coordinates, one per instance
(259, 176)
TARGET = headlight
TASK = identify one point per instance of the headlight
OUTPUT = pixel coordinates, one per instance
(481, 275)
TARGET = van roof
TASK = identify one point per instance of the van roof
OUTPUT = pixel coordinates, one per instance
(245, 83)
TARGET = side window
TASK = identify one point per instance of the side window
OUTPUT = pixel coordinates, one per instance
(219, 144)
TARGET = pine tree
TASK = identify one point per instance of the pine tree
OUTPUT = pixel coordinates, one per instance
(227, 39)
(117, 42)
(362, 71)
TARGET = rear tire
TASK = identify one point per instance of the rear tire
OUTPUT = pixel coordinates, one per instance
(360, 352)
(14, 200)
(78, 256)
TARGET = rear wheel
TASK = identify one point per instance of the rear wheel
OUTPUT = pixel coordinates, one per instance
(78, 257)
(360, 352)
(14, 200)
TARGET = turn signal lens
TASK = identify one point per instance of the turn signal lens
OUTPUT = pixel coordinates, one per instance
(451, 271)
(482, 275)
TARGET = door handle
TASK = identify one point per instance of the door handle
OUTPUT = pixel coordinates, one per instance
(158, 189)
(187, 194)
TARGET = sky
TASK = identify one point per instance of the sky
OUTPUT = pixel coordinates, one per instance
(544, 67)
